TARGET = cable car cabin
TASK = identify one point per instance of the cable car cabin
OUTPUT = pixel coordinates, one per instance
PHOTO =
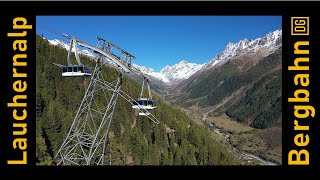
(75, 71)
(144, 104)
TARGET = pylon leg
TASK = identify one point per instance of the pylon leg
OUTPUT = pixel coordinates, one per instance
(86, 141)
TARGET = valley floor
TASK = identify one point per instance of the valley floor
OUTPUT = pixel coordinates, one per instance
(252, 146)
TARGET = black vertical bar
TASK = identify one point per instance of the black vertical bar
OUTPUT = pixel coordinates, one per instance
(315, 89)
(7, 152)
(289, 87)
(5, 74)
(286, 85)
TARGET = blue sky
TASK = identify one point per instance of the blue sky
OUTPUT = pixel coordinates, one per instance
(157, 41)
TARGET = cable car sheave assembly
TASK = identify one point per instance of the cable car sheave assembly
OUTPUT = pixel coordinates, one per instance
(86, 141)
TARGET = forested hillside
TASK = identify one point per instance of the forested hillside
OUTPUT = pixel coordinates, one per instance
(247, 92)
(175, 141)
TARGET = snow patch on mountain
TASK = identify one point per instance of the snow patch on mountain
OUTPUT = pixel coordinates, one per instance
(270, 42)
(181, 70)
(151, 72)
(66, 46)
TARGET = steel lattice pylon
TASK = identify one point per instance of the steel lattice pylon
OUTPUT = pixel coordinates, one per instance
(87, 138)
(86, 141)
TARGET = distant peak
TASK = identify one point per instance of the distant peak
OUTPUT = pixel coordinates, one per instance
(166, 67)
(181, 70)
(269, 41)
(230, 44)
(183, 62)
(273, 34)
(277, 31)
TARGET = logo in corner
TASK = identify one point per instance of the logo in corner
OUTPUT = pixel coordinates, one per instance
(300, 26)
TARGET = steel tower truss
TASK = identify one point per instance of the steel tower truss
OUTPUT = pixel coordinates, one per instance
(86, 141)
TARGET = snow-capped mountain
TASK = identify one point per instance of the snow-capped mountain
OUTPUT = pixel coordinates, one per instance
(181, 70)
(151, 72)
(62, 44)
(269, 43)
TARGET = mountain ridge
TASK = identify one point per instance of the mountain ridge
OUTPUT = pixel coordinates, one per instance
(270, 42)
(179, 71)
(183, 69)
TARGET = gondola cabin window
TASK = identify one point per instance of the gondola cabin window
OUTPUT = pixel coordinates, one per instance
(143, 103)
(74, 71)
